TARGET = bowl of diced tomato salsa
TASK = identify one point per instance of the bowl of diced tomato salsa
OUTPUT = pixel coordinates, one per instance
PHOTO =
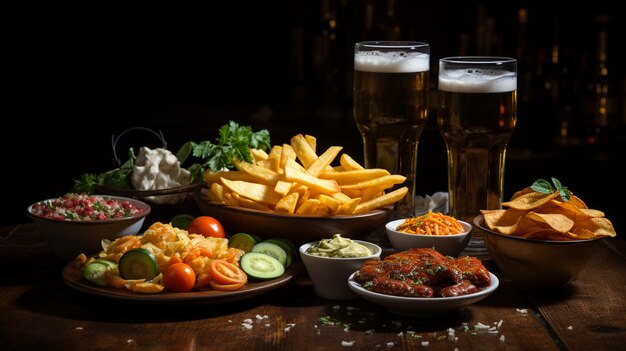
(75, 223)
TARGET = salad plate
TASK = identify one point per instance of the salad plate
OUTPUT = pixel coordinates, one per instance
(72, 277)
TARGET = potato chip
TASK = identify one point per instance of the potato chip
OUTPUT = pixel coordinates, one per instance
(559, 222)
(530, 201)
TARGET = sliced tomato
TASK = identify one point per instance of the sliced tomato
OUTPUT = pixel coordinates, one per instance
(227, 287)
(224, 272)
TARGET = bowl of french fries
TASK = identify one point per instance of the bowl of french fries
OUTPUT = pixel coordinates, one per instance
(544, 236)
(293, 192)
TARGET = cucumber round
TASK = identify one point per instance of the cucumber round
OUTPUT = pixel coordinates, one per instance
(182, 221)
(94, 271)
(283, 246)
(261, 266)
(273, 250)
(242, 241)
(138, 264)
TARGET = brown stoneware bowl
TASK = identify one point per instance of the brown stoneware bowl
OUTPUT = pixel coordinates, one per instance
(297, 228)
(537, 264)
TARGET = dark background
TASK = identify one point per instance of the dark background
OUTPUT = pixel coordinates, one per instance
(80, 74)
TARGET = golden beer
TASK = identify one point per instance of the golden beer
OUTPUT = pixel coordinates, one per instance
(477, 115)
(391, 110)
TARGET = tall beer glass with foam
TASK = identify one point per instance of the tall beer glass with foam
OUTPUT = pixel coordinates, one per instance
(477, 115)
(391, 81)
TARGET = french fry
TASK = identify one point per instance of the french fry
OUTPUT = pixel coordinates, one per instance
(348, 207)
(354, 176)
(230, 200)
(287, 154)
(212, 177)
(243, 202)
(324, 186)
(381, 182)
(253, 191)
(352, 193)
(217, 191)
(258, 155)
(308, 207)
(311, 140)
(275, 152)
(264, 175)
(331, 203)
(271, 163)
(282, 187)
(371, 193)
(287, 204)
(348, 163)
(381, 201)
(303, 150)
(341, 197)
(323, 161)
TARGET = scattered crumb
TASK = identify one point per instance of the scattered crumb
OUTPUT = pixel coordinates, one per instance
(346, 329)
(522, 310)
(130, 341)
(336, 307)
(500, 323)
(502, 338)
(480, 326)
(456, 349)
(425, 343)
(400, 333)
(410, 331)
(390, 344)
(369, 331)
(267, 324)
(347, 343)
(570, 328)
(78, 328)
(248, 320)
(230, 321)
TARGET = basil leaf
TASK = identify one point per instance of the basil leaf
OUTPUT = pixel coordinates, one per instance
(557, 183)
(542, 186)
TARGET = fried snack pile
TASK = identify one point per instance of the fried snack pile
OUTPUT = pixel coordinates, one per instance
(277, 182)
(547, 216)
(431, 223)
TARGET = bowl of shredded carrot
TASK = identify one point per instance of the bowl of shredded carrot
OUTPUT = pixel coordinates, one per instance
(445, 234)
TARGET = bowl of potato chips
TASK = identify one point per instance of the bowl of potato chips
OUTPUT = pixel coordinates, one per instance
(295, 193)
(543, 237)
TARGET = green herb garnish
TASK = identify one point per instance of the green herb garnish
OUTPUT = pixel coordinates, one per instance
(328, 320)
(543, 186)
(234, 142)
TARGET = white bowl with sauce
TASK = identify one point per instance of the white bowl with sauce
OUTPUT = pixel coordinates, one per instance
(449, 245)
(330, 274)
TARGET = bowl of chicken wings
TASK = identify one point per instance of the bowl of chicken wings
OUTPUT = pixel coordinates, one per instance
(422, 280)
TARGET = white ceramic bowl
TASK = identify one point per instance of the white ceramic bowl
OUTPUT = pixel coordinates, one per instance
(449, 245)
(68, 239)
(330, 274)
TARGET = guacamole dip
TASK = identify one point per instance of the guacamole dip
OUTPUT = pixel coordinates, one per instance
(339, 247)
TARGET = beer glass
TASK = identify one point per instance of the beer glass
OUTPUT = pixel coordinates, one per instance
(391, 107)
(477, 115)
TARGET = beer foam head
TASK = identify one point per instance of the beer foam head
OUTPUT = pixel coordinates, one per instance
(477, 81)
(391, 62)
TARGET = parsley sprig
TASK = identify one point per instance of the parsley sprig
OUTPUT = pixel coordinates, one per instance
(234, 142)
(543, 186)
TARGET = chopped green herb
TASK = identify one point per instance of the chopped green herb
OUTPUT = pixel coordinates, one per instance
(328, 320)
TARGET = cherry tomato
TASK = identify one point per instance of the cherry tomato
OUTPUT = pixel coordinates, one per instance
(179, 277)
(207, 226)
(226, 273)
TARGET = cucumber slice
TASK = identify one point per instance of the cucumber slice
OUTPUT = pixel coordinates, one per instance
(289, 243)
(261, 266)
(256, 237)
(182, 221)
(94, 271)
(283, 245)
(242, 241)
(138, 264)
(273, 250)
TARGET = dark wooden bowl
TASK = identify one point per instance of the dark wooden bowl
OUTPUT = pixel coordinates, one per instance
(297, 228)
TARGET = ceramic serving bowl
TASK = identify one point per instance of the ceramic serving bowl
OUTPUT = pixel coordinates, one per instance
(297, 228)
(330, 274)
(537, 264)
(450, 245)
(68, 238)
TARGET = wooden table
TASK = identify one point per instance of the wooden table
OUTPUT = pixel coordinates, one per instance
(39, 312)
